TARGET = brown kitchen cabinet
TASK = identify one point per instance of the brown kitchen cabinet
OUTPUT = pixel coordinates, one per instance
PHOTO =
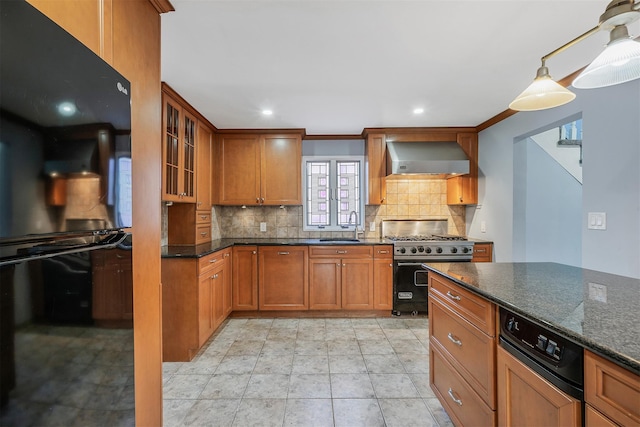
(203, 166)
(463, 189)
(112, 278)
(245, 278)
(462, 350)
(178, 150)
(383, 277)
(375, 149)
(258, 168)
(482, 252)
(527, 399)
(341, 277)
(283, 277)
(611, 392)
(196, 298)
(186, 225)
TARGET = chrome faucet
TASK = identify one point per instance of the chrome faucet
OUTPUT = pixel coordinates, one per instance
(355, 228)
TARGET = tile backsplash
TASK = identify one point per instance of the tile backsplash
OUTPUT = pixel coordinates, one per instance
(406, 199)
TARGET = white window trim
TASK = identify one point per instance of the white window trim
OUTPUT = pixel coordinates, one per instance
(334, 220)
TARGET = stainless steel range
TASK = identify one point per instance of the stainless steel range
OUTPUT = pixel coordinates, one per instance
(414, 243)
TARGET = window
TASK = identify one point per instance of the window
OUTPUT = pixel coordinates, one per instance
(332, 192)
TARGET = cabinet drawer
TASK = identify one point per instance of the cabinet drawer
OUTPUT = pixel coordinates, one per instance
(612, 390)
(482, 252)
(203, 217)
(209, 262)
(469, 350)
(593, 418)
(203, 233)
(332, 251)
(463, 405)
(475, 309)
(382, 251)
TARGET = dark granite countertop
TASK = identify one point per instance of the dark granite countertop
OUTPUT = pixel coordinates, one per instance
(197, 251)
(564, 299)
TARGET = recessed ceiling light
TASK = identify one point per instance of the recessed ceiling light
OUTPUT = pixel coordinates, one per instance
(267, 112)
(418, 110)
(67, 108)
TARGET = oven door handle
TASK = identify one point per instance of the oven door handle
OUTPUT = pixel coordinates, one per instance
(409, 264)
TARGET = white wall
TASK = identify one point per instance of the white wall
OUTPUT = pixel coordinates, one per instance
(611, 176)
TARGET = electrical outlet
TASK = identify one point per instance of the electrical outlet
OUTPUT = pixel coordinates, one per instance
(263, 226)
(597, 292)
(483, 226)
(372, 226)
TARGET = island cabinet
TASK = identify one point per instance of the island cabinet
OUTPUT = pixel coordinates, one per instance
(112, 297)
(245, 278)
(341, 277)
(196, 299)
(527, 399)
(611, 393)
(463, 189)
(383, 277)
(258, 169)
(283, 278)
(462, 352)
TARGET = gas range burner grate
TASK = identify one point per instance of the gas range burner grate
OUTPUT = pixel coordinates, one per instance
(426, 238)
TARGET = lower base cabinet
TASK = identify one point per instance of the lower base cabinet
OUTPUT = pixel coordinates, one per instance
(112, 295)
(196, 299)
(527, 399)
(283, 278)
(245, 278)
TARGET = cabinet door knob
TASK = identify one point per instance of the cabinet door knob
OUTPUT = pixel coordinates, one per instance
(254, 252)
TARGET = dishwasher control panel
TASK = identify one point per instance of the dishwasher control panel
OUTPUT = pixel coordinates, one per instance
(560, 355)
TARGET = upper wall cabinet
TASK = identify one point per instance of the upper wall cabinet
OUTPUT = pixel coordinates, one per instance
(178, 152)
(463, 190)
(375, 149)
(258, 168)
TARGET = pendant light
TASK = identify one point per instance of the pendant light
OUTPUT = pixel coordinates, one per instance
(543, 93)
(618, 63)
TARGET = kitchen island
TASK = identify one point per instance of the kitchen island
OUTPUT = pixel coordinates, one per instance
(470, 306)
(596, 310)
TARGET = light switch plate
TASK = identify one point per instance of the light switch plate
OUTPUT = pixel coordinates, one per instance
(263, 226)
(483, 226)
(372, 226)
(597, 221)
(597, 292)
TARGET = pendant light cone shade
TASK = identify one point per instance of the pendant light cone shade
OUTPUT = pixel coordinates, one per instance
(543, 93)
(618, 63)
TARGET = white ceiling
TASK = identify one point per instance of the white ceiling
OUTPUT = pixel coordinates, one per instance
(336, 67)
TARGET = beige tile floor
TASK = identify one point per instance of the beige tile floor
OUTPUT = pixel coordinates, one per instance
(307, 372)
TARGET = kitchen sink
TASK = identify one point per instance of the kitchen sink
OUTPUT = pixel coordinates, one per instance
(339, 239)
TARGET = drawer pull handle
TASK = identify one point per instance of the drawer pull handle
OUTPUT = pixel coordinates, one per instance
(452, 296)
(211, 261)
(283, 253)
(204, 216)
(455, 399)
(481, 250)
(341, 252)
(383, 252)
(204, 233)
(454, 339)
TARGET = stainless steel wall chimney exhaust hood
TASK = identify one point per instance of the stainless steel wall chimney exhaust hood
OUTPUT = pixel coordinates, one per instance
(437, 159)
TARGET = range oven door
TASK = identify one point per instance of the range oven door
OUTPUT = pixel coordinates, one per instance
(410, 287)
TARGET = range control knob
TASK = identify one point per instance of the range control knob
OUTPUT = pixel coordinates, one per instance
(454, 250)
(420, 248)
(428, 250)
(414, 250)
(465, 250)
(402, 250)
(439, 250)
